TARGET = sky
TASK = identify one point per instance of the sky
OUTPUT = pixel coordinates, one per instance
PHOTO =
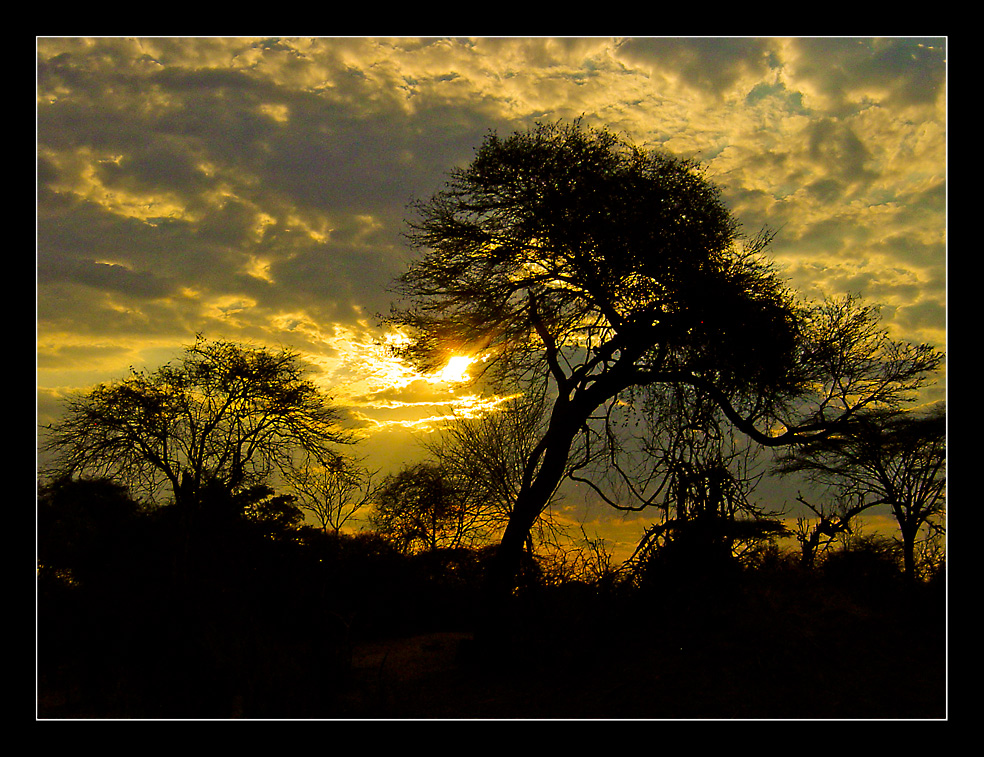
(256, 189)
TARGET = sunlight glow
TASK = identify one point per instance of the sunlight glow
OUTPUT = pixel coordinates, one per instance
(456, 371)
(361, 372)
(470, 406)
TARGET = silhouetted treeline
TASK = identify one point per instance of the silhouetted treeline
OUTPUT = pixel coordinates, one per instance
(207, 612)
(232, 607)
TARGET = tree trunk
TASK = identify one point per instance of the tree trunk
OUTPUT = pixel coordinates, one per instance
(570, 412)
(566, 421)
(909, 554)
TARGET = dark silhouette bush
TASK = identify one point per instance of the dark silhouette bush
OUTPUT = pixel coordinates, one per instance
(188, 612)
(209, 613)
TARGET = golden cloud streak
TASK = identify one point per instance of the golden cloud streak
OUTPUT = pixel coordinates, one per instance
(469, 406)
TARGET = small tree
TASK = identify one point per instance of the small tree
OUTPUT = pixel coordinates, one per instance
(419, 509)
(703, 476)
(884, 457)
(333, 493)
(274, 514)
(832, 523)
(485, 458)
(225, 415)
(82, 526)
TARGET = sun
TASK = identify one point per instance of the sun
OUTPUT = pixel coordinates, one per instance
(456, 371)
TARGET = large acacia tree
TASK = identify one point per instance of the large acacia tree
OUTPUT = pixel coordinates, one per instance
(569, 257)
(225, 415)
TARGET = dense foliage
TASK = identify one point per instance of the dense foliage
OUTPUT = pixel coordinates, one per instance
(225, 414)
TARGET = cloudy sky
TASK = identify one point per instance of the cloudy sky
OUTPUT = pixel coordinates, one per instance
(256, 189)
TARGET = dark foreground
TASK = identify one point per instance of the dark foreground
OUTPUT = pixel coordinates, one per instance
(773, 667)
(760, 651)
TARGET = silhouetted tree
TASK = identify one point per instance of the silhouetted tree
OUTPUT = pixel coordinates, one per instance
(702, 479)
(571, 258)
(333, 493)
(183, 612)
(225, 414)
(419, 509)
(276, 514)
(831, 524)
(884, 457)
(484, 458)
(83, 526)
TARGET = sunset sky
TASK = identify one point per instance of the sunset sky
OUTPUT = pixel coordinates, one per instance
(256, 189)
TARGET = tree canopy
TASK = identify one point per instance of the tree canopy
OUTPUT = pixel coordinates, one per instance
(570, 242)
(890, 457)
(225, 414)
(419, 508)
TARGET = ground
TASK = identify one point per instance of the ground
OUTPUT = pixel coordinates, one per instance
(431, 676)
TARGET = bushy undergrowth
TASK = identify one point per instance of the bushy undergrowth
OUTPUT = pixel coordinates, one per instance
(167, 614)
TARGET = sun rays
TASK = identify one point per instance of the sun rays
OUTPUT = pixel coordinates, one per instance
(456, 371)
(383, 392)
